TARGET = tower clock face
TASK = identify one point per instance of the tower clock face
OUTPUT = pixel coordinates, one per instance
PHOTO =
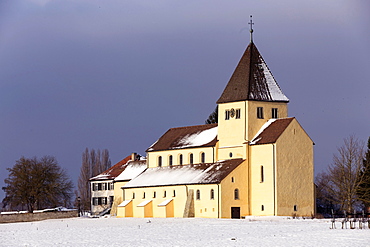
(232, 112)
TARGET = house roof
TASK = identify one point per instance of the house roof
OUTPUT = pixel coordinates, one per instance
(271, 131)
(186, 137)
(252, 80)
(132, 170)
(114, 171)
(209, 173)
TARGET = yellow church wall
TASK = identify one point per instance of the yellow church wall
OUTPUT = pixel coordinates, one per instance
(118, 196)
(126, 211)
(295, 172)
(231, 132)
(157, 195)
(153, 156)
(237, 179)
(262, 180)
(205, 206)
(234, 133)
(254, 123)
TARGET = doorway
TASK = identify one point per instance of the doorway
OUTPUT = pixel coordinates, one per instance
(235, 212)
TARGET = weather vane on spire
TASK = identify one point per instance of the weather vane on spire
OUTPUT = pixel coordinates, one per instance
(251, 29)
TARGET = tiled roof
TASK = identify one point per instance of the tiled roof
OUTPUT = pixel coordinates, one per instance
(185, 137)
(271, 131)
(114, 171)
(210, 173)
(252, 80)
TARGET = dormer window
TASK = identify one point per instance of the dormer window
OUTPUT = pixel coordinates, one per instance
(260, 112)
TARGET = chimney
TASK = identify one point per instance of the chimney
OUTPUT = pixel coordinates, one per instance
(135, 156)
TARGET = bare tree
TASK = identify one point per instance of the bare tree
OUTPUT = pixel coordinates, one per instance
(86, 173)
(344, 174)
(93, 163)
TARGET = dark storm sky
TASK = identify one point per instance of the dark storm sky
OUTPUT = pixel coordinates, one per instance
(117, 74)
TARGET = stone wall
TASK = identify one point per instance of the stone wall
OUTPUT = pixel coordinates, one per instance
(10, 218)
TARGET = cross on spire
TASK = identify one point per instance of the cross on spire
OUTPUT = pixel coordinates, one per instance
(251, 28)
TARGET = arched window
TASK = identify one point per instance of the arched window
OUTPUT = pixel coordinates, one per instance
(143, 195)
(198, 195)
(133, 195)
(236, 194)
(170, 160)
(262, 208)
(159, 161)
(191, 159)
(154, 194)
(212, 194)
(174, 193)
(164, 193)
(202, 157)
(180, 159)
(262, 175)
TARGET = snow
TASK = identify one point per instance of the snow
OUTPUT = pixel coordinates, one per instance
(267, 124)
(178, 175)
(100, 176)
(164, 203)
(124, 203)
(198, 139)
(144, 203)
(253, 231)
(274, 89)
(132, 170)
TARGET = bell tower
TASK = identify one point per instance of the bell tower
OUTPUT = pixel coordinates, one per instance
(251, 98)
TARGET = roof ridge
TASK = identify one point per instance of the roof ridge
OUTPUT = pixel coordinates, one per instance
(191, 126)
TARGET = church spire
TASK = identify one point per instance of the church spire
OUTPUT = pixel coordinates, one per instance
(252, 80)
(251, 28)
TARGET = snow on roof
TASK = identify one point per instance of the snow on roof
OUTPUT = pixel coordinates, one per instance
(264, 126)
(210, 173)
(114, 171)
(271, 131)
(133, 169)
(252, 80)
(198, 139)
(274, 89)
(144, 203)
(186, 137)
(124, 203)
(164, 203)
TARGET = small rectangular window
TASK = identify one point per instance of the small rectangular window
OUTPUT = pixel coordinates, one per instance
(260, 112)
(95, 186)
(262, 175)
(95, 201)
(237, 114)
(274, 113)
(227, 114)
(99, 186)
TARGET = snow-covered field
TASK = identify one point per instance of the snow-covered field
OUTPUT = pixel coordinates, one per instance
(252, 231)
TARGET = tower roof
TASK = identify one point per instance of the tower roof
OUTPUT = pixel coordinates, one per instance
(252, 80)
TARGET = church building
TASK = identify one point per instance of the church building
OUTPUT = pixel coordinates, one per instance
(255, 161)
